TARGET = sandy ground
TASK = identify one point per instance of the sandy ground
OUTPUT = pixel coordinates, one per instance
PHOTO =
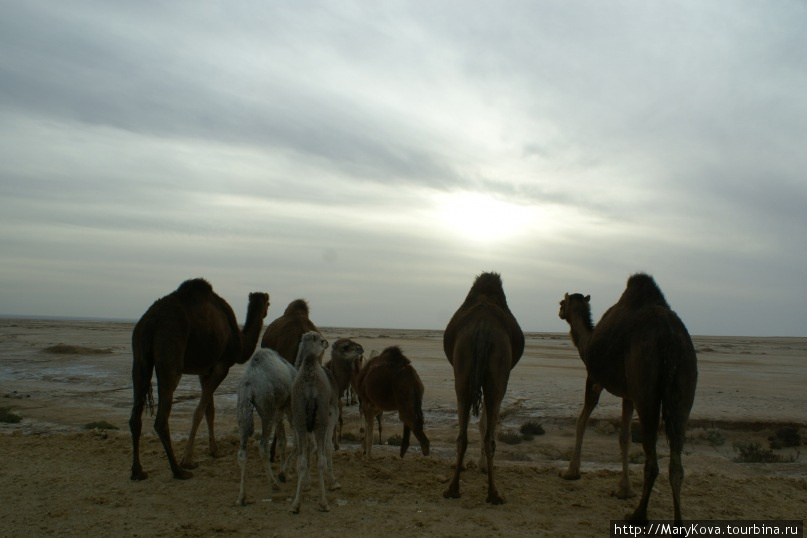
(58, 477)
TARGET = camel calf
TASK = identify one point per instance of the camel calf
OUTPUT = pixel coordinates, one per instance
(389, 382)
(266, 387)
(314, 410)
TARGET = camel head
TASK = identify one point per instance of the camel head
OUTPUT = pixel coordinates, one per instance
(258, 304)
(571, 303)
(313, 343)
(346, 349)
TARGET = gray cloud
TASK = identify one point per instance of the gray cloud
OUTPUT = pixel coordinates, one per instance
(302, 147)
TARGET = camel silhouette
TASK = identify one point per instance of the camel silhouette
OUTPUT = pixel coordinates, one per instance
(190, 331)
(640, 351)
(483, 342)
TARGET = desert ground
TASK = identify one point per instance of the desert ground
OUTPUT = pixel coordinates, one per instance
(59, 477)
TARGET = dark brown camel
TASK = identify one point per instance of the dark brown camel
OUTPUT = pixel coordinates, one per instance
(640, 351)
(389, 382)
(284, 333)
(190, 331)
(483, 342)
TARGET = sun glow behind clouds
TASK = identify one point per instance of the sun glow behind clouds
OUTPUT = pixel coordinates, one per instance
(482, 218)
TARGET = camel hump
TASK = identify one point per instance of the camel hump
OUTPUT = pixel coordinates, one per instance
(642, 290)
(489, 284)
(297, 307)
(395, 354)
(195, 286)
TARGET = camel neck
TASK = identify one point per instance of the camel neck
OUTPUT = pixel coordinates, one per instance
(581, 335)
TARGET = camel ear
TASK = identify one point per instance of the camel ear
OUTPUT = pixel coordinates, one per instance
(587, 298)
(566, 296)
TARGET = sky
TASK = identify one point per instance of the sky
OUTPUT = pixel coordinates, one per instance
(374, 157)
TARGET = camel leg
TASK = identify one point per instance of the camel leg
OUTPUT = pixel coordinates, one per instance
(141, 382)
(368, 433)
(649, 419)
(333, 484)
(422, 439)
(210, 416)
(453, 490)
(242, 463)
(625, 490)
(489, 443)
(676, 479)
(205, 408)
(592, 397)
(280, 436)
(166, 385)
(337, 433)
(676, 468)
(322, 468)
(266, 434)
(405, 440)
(301, 446)
(483, 428)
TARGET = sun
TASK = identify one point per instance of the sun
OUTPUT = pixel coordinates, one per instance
(482, 218)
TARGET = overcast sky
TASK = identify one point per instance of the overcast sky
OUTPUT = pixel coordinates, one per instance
(374, 157)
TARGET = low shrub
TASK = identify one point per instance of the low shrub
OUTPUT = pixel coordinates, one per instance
(785, 437)
(531, 428)
(510, 437)
(755, 453)
(101, 425)
(8, 417)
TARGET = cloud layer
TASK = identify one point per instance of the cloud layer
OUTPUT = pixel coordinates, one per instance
(319, 151)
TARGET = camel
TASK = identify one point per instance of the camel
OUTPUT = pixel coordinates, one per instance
(266, 387)
(190, 331)
(641, 352)
(314, 408)
(345, 353)
(483, 342)
(284, 333)
(389, 382)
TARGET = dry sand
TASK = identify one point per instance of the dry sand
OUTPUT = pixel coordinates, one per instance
(57, 477)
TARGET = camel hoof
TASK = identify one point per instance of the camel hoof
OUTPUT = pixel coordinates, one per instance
(568, 475)
(335, 486)
(622, 493)
(451, 494)
(495, 499)
(189, 465)
(294, 510)
(282, 477)
(139, 475)
(324, 508)
(183, 475)
(637, 519)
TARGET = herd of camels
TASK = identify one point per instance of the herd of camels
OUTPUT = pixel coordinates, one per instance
(639, 351)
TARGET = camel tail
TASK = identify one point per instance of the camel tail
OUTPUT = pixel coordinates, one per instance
(311, 405)
(481, 355)
(142, 370)
(680, 377)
